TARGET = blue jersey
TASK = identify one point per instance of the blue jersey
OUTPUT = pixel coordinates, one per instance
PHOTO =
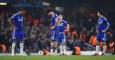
(17, 20)
(61, 26)
(17, 33)
(53, 32)
(102, 23)
(53, 20)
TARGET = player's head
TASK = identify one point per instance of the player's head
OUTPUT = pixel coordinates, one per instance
(100, 13)
(60, 16)
(22, 11)
(50, 12)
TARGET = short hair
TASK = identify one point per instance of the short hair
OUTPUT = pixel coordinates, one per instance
(102, 12)
(20, 9)
(60, 14)
(49, 10)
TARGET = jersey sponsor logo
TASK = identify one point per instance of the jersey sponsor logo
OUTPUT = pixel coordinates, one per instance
(61, 24)
(100, 21)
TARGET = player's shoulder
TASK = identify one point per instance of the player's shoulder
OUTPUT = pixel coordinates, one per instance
(55, 15)
(64, 21)
(14, 15)
(103, 18)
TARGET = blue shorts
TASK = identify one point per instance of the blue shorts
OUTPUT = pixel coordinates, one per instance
(53, 35)
(61, 37)
(101, 36)
(17, 36)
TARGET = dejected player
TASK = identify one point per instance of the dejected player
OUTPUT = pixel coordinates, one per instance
(102, 27)
(53, 29)
(16, 26)
(62, 26)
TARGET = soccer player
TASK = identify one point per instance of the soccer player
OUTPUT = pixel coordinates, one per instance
(53, 30)
(102, 27)
(16, 26)
(62, 26)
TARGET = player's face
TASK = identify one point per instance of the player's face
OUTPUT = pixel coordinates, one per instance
(50, 13)
(22, 12)
(60, 17)
(98, 14)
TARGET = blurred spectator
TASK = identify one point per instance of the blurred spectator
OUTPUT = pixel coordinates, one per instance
(36, 26)
(93, 40)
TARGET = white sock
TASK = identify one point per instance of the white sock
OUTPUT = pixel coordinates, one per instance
(55, 51)
(61, 49)
(64, 49)
(104, 49)
(21, 48)
(97, 48)
(13, 47)
(51, 51)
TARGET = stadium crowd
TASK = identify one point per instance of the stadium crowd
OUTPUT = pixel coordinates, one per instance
(36, 30)
(36, 27)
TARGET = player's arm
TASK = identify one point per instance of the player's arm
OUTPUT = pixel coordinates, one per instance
(97, 29)
(54, 23)
(52, 27)
(67, 27)
(108, 25)
(10, 24)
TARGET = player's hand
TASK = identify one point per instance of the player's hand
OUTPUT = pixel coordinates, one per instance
(97, 31)
(57, 22)
(66, 30)
(10, 28)
(103, 30)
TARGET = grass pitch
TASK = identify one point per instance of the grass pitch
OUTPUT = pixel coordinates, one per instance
(57, 57)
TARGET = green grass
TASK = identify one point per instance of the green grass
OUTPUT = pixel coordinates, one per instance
(57, 57)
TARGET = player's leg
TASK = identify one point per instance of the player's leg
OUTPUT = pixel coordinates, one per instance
(21, 47)
(104, 48)
(53, 43)
(62, 44)
(13, 48)
(101, 45)
(52, 34)
(104, 39)
(98, 43)
(51, 46)
(21, 42)
(13, 42)
(55, 46)
(62, 47)
(56, 35)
